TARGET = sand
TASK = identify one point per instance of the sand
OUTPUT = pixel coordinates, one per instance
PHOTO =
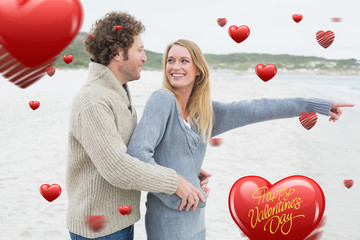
(33, 148)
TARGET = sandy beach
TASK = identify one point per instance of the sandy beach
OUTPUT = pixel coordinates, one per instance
(33, 151)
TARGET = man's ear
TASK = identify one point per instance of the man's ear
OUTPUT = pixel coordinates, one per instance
(120, 55)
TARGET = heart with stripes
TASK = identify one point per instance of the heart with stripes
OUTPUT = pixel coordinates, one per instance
(325, 39)
(32, 34)
(308, 120)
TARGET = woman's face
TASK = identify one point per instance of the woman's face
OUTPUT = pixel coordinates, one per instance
(180, 69)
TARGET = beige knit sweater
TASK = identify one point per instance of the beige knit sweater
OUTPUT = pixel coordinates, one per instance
(101, 176)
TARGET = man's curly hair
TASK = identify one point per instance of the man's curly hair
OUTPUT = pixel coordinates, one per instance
(106, 40)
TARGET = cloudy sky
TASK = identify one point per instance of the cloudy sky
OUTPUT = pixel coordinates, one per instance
(272, 29)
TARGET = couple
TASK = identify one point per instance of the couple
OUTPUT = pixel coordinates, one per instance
(111, 158)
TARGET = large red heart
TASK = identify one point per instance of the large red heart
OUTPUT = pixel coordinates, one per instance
(239, 34)
(289, 209)
(308, 120)
(35, 31)
(266, 72)
(325, 39)
(50, 193)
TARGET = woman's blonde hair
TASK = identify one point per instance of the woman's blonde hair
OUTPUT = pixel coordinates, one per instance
(199, 106)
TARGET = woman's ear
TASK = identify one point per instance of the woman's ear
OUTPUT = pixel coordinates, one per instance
(198, 72)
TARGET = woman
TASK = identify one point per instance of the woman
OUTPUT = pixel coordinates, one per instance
(177, 122)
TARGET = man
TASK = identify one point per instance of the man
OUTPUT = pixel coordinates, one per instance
(101, 176)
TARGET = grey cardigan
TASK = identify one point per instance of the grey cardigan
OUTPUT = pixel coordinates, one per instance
(161, 137)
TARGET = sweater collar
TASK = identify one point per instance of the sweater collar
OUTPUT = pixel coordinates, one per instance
(103, 75)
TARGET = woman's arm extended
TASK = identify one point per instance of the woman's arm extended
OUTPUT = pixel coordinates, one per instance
(228, 116)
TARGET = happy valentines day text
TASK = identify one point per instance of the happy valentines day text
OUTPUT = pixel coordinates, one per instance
(279, 213)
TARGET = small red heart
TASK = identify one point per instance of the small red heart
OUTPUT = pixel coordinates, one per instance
(325, 39)
(90, 36)
(95, 223)
(239, 34)
(34, 104)
(50, 71)
(124, 210)
(348, 183)
(68, 58)
(336, 19)
(215, 142)
(222, 21)
(297, 17)
(118, 28)
(266, 72)
(50, 193)
(308, 120)
(290, 209)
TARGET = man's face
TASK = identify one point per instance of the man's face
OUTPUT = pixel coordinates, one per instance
(131, 67)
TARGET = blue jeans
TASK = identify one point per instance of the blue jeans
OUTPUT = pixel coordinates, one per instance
(123, 234)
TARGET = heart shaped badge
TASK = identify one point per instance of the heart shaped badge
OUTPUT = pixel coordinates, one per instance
(95, 223)
(288, 210)
(50, 193)
(348, 183)
(297, 17)
(325, 39)
(308, 120)
(222, 21)
(266, 72)
(34, 105)
(124, 210)
(239, 34)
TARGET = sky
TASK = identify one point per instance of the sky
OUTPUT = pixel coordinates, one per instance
(272, 29)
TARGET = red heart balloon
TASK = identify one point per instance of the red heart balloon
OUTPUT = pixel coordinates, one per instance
(308, 120)
(50, 193)
(289, 209)
(239, 34)
(297, 17)
(222, 21)
(266, 72)
(35, 31)
(50, 71)
(95, 223)
(325, 39)
(124, 210)
(34, 104)
(68, 58)
(348, 183)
